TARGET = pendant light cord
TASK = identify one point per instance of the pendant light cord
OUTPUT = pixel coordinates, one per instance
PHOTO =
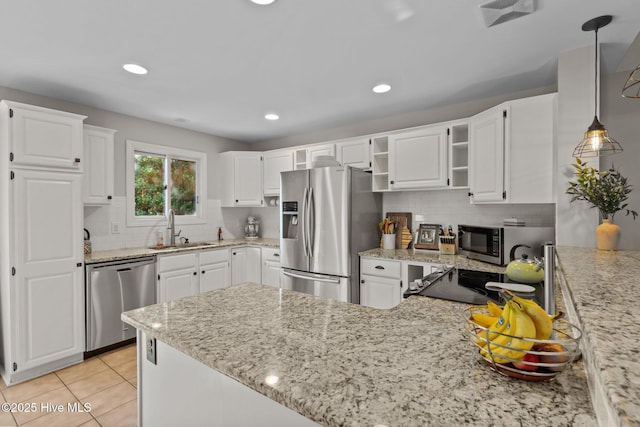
(595, 113)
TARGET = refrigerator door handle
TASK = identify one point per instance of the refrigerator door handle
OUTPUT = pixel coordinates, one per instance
(311, 220)
(303, 220)
(313, 278)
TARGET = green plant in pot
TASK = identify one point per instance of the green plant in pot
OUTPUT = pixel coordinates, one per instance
(607, 191)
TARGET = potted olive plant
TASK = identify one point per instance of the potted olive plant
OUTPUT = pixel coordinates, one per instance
(606, 190)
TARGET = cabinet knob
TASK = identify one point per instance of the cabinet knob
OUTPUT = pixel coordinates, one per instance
(276, 254)
(109, 197)
(470, 194)
(76, 160)
(195, 273)
(362, 281)
(391, 182)
(203, 271)
(236, 200)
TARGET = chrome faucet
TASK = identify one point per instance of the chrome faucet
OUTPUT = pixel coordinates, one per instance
(171, 226)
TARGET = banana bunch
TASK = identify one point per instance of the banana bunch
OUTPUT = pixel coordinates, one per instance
(519, 318)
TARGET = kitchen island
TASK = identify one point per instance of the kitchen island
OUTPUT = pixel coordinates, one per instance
(343, 364)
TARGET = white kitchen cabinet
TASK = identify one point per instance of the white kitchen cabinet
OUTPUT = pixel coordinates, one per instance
(44, 138)
(48, 283)
(41, 257)
(177, 276)
(241, 175)
(511, 152)
(305, 156)
(355, 153)
(245, 265)
(380, 283)
(418, 158)
(271, 266)
(486, 155)
(98, 180)
(275, 162)
(380, 162)
(458, 134)
(214, 269)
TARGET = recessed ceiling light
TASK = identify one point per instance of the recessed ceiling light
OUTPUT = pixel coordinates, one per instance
(135, 68)
(381, 88)
(263, 2)
(271, 116)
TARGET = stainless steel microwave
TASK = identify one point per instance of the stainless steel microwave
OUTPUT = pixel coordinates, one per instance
(495, 244)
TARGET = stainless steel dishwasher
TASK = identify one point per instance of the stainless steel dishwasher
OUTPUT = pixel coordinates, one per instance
(110, 289)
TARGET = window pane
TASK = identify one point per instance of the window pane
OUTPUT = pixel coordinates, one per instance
(183, 187)
(149, 185)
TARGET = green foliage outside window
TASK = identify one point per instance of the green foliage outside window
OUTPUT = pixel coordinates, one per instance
(150, 186)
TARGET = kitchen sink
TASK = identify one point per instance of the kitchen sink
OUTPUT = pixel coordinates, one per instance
(184, 246)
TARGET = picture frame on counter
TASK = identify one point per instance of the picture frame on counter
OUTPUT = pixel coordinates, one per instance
(428, 236)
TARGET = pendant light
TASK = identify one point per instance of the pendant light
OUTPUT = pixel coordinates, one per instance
(633, 80)
(596, 141)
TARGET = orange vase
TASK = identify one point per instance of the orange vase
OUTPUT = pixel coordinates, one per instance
(607, 236)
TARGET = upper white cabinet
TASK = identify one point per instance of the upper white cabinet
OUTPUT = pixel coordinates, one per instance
(97, 181)
(511, 152)
(241, 174)
(458, 133)
(380, 162)
(418, 158)
(305, 156)
(275, 161)
(43, 137)
(356, 153)
(486, 155)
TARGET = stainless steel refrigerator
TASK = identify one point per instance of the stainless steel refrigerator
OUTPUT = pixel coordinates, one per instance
(327, 216)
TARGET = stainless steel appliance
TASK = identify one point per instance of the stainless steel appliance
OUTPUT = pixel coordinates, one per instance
(467, 286)
(327, 216)
(494, 244)
(112, 288)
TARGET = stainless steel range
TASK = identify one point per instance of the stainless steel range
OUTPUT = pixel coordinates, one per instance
(467, 286)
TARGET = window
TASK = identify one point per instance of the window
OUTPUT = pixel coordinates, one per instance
(163, 178)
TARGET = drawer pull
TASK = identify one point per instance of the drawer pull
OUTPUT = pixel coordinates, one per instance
(379, 267)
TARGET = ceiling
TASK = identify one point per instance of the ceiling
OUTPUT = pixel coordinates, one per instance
(217, 66)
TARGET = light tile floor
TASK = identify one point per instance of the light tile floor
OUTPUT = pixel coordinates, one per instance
(106, 382)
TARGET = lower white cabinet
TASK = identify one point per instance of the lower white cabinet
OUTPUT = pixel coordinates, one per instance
(271, 267)
(42, 298)
(177, 276)
(214, 269)
(187, 274)
(380, 283)
(245, 265)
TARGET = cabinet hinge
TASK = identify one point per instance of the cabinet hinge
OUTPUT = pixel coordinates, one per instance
(504, 113)
(369, 164)
(12, 175)
(10, 112)
(400, 283)
(13, 271)
(11, 157)
(79, 264)
(15, 366)
(158, 277)
(448, 131)
(261, 158)
(447, 182)
(504, 195)
(369, 141)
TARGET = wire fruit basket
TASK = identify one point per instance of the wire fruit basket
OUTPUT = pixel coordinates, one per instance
(543, 362)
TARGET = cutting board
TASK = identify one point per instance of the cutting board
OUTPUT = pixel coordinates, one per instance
(404, 223)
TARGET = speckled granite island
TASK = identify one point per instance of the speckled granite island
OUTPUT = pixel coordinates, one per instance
(340, 364)
(603, 288)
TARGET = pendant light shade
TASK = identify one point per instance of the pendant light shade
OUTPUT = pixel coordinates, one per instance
(631, 88)
(596, 141)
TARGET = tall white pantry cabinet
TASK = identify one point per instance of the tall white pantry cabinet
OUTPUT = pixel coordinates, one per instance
(41, 250)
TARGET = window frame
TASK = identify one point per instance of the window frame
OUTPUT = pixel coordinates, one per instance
(200, 160)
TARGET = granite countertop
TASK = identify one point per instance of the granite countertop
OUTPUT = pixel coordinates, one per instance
(603, 286)
(417, 255)
(341, 364)
(129, 253)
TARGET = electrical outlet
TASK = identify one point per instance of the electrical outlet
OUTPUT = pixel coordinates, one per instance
(115, 228)
(151, 350)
